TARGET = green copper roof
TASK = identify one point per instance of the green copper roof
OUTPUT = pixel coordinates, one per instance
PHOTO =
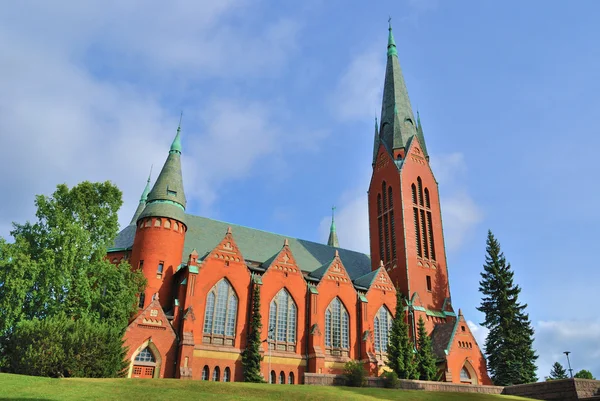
(397, 119)
(333, 239)
(167, 198)
(376, 141)
(142, 203)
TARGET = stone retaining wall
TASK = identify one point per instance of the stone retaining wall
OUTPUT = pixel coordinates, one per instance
(563, 390)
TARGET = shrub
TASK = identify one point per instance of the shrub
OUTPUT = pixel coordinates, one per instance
(355, 373)
(390, 379)
(62, 347)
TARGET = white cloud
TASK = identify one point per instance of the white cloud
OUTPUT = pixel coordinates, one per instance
(479, 332)
(460, 213)
(61, 120)
(358, 93)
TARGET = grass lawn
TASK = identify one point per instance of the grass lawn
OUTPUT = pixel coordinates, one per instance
(16, 387)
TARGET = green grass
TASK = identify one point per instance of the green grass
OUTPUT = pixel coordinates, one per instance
(16, 387)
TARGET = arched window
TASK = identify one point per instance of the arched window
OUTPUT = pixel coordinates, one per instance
(427, 203)
(379, 210)
(336, 325)
(167, 223)
(216, 374)
(390, 198)
(273, 377)
(227, 375)
(157, 223)
(148, 223)
(221, 310)
(420, 190)
(381, 329)
(175, 226)
(281, 377)
(282, 317)
(383, 187)
(145, 355)
(291, 378)
(464, 375)
(205, 373)
(414, 193)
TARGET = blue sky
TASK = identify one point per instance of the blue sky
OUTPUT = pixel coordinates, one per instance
(279, 102)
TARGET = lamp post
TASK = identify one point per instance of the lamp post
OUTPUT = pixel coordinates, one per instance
(266, 340)
(569, 362)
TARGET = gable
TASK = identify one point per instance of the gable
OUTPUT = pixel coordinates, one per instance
(284, 261)
(227, 250)
(153, 318)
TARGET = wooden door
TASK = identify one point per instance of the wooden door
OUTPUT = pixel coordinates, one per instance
(143, 372)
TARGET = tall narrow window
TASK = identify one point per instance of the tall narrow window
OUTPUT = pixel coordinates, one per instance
(282, 317)
(428, 283)
(427, 203)
(418, 232)
(420, 190)
(393, 231)
(430, 234)
(385, 224)
(386, 230)
(414, 193)
(390, 198)
(227, 375)
(221, 310)
(142, 300)
(380, 226)
(205, 373)
(336, 325)
(216, 374)
(161, 266)
(291, 378)
(382, 326)
(424, 232)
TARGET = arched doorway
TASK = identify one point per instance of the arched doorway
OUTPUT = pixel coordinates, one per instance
(144, 365)
(145, 362)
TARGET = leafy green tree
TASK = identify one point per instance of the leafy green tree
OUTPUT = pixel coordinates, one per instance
(59, 346)
(558, 372)
(584, 374)
(400, 352)
(251, 356)
(426, 360)
(356, 375)
(57, 264)
(509, 345)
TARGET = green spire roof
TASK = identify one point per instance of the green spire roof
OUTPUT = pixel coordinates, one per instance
(167, 198)
(375, 141)
(397, 119)
(142, 203)
(333, 239)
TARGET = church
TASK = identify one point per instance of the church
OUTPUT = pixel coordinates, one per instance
(321, 305)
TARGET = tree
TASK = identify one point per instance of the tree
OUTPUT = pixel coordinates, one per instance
(251, 356)
(558, 372)
(584, 374)
(509, 345)
(427, 366)
(401, 356)
(57, 265)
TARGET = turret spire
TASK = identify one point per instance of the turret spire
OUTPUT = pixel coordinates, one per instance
(333, 239)
(167, 198)
(421, 136)
(376, 141)
(143, 200)
(397, 119)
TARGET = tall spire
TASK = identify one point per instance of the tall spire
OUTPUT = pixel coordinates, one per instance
(397, 119)
(333, 239)
(143, 200)
(167, 198)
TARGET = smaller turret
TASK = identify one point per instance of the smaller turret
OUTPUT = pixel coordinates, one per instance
(143, 200)
(333, 239)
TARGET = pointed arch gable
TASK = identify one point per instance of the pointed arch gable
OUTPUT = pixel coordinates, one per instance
(221, 310)
(227, 251)
(337, 326)
(468, 374)
(283, 319)
(283, 262)
(158, 359)
(334, 272)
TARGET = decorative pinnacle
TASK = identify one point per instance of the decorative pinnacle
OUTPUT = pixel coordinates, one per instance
(286, 242)
(392, 51)
(144, 197)
(176, 145)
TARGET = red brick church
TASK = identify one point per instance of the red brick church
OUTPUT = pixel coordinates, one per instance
(322, 305)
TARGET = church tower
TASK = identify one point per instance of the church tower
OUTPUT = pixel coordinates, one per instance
(160, 233)
(405, 222)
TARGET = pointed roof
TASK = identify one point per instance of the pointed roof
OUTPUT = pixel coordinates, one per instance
(397, 119)
(142, 203)
(376, 141)
(333, 239)
(421, 136)
(167, 198)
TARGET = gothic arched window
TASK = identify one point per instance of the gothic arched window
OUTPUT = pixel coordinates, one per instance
(282, 318)
(221, 310)
(145, 355)
(205, 372)
(381, 329)
(227, 375)
(216, 374)
(336, 325)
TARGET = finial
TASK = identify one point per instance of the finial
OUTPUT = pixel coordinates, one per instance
(332, 214)
(381, 263)
(180, 118)
(150, 175)
(286, 242)
(176, 145)
(337, 254)
(391, 43)
(229, 230)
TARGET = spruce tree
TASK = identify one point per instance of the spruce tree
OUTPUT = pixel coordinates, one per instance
(558, 372)
(251, 357)
(509, 345)
(426, 359)
(400, 352)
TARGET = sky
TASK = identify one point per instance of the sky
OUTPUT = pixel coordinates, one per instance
(279, 101)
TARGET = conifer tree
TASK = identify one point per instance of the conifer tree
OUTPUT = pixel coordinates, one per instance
(425, 357)
(400, 353)
(251, 357)
(509, 345)
(558, 372)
